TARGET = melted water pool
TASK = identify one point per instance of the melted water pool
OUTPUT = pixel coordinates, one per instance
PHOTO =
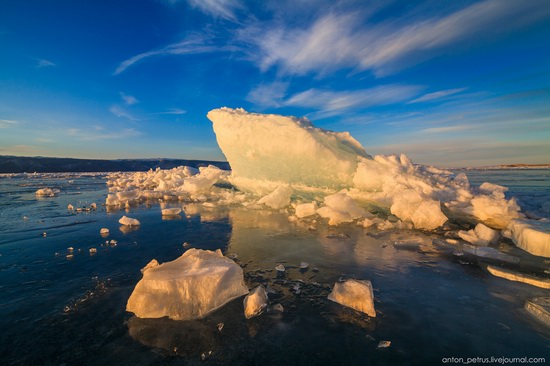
(431, 303)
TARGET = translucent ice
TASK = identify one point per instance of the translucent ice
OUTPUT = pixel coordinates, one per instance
(266, 149)
(47, 192)
(532, 236)
(171, 211)
(279, 198)
(355, 294)
(255, 302)
(190, 287)
(519, 277)
(480, 235)
(128, 221)
(306, 209)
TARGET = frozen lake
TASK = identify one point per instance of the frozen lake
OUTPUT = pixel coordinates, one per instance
(433, 302)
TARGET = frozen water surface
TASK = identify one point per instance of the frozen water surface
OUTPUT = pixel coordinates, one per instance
(432, 301)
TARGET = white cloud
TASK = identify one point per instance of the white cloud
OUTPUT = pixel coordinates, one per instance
(44, 63)
(345, 40)
(122, 113)
(268, 95)
(437, 95)
(335, 101)
(175, 111)
(5, 123)
(218, 8)
(194, 44)
(129, 99)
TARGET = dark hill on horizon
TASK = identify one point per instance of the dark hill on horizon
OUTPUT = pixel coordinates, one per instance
(40, 164)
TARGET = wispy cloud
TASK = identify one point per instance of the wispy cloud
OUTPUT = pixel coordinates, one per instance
(5, 123)
(330, 102)
(193, 44)
(44, 63)
(225, 9)
(344, 40)
(437, 95)
(122, 113)
(268, 95)
(129, 99)
(446, 129)
(95, 134)
(174, 111)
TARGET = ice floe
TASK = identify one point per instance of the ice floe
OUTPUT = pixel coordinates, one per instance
(190, 287)
(532, 236)
(46, 192)
(356, 294)
(255, 302)
(128, 221)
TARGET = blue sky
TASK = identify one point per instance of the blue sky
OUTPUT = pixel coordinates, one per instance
(449, 83)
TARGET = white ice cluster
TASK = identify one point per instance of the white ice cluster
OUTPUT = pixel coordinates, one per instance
(285, 163)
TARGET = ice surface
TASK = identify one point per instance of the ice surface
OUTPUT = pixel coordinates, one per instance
(128, 221)
(340, 208)
(480, 235)
(519, 277)
(532, 236)
(255, 302)
(356, 294)
(189, 287)
(490, 253)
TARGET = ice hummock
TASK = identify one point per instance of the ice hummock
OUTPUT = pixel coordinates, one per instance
(286, 164)
(190, 287)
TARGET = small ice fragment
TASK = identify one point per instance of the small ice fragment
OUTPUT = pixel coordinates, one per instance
(47, 192)
(93, 250)
(255, 302)
(279, 198)
(70, 256)
(25, 218)
(306, 209)
(539, 307)
(44, 234)
(70, 249)
(480, 235)
(278, 307)
(205, 355)
(280, 268)
(186, 245)
(171, 211)
(519, 277)
(356, 294)
(104, 231)
(384, 344)
(70, 207)
(220, 326)
(370, 338)
(93, 206)
(304, 265)
(412, 243)
(127, 221)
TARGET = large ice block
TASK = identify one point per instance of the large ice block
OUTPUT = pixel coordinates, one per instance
(190, 287)
(271, 148)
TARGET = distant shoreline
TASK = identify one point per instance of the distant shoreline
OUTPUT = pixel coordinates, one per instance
(39, 164)
(507, 167)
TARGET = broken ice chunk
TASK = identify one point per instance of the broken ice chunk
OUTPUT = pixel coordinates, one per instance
(490, 253)
(306, 209)
(410, 244)
(47, 192)
(280, 268)
(356, 294)
(480, 235)
(519, 277)
(171, 211)
(384, 344)
(127, 221)
(70, 207)
(104, 231)
(255, 302)
(279, 198)
(190, 287)
(304, 265)
(532, 236)
(539, 307)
